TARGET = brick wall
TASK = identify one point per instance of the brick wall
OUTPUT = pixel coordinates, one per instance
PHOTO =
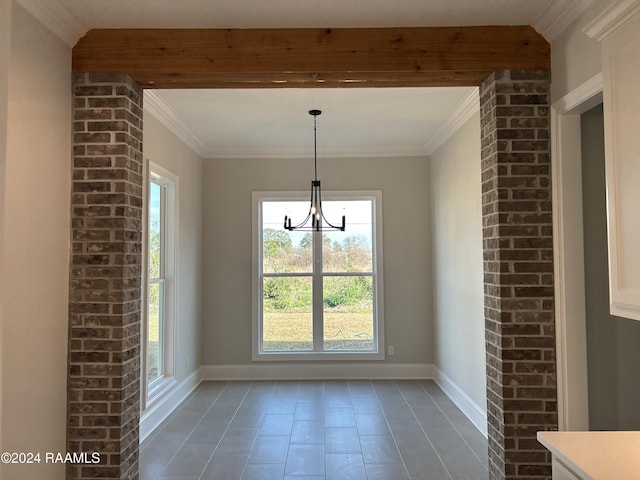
(518, 270)
(106, 273)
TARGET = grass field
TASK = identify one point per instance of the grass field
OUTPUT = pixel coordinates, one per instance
(290, 330)
(153, 336)
(343, 330)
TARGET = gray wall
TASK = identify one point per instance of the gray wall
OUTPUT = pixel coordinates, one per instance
(162, 147)
(456, 202)
(613, 343)
(228, 184)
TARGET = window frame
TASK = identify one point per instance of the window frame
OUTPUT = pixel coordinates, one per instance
(378, 353)
(155, 390)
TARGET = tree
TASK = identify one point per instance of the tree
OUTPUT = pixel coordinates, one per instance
(274, 241)
(355, 242)
(306, 241)
(154, 254)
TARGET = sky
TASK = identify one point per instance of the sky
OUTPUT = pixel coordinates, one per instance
(358, 215)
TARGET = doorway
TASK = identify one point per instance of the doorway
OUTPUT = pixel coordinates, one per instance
(612, 342)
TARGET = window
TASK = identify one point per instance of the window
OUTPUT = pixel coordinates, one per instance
(160, 282)
(318, 295)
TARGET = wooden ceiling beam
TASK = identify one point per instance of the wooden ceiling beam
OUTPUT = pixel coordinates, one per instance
(259, 58)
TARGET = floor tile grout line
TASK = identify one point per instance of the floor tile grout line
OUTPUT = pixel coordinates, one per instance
(244, 468)
(452, 424)
(424, 431)
(199, 422)
(175, 412)
(284, 474)
(213, 452)
(196, 426)
(395, 442)
(324, 425)
(359, 436)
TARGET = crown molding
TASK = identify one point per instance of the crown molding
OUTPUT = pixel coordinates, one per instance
(611, 19)
(155, 106)
(56, 18)
(468, 106)
(354, 152)
(558, 16)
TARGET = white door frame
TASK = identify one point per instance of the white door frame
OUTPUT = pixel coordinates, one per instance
(571, 338)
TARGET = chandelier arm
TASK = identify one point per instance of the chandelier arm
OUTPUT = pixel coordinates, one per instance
(322, 217)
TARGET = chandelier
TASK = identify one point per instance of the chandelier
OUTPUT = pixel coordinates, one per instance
(315, 221)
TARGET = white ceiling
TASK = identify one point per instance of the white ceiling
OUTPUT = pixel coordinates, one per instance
(275, 122)
(259, 123)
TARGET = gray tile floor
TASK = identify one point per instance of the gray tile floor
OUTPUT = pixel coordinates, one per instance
(316, 430)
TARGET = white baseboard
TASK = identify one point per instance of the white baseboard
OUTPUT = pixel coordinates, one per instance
(472, 410)
(160, 410)
(317, 371)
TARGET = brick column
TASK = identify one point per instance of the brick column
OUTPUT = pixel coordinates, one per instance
(518, 266)
(104, 324)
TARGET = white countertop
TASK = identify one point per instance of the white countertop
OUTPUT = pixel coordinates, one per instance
(596, 455)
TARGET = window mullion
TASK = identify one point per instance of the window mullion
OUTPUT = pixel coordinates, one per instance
(318, 313)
